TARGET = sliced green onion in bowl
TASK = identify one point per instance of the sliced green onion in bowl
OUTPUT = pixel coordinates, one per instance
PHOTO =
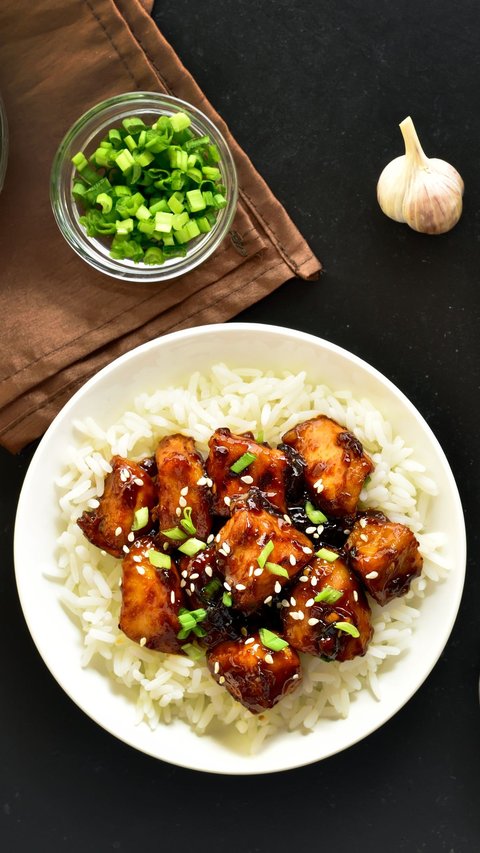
(174, 533)
(275, 569)
(325, 554)
(264, 554)
(347, 628)
(316, 516)
(186, 521)
(192, 546)
(140, 518)
(159, 560)
(243, 462)
(329, 595)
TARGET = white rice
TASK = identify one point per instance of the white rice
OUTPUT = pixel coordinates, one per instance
(164, 687)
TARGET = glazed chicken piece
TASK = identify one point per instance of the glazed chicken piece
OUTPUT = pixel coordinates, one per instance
(127, 489)
(312, 626)
(251, 532)
(270, 470)
(253, 674)
(336, 465)
(182, 486)
(151, 599)
(384, 555)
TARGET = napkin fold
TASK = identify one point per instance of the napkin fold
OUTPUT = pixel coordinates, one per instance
(62, 320)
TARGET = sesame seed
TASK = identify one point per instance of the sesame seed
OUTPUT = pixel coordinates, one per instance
(131, 537)
(209, 482)
(278, 587)
(313, 621)
(182, 501)
(255, 647)
(222, 552)
(118, 531)
(355, 595)
(346, 531)
(320, 528)
(93, 503)
(172, 596)
(184, 491)
(165, 546)
(287, 519)
(250, 640)
(268, 658)
(316, 536)
(293, 560)
(202, 481)
(371, 575)
(194, 576)
(293, 601)
(318, 486)
(363, 522)
(124, 475)
(303, 578)
(294, 614)
(140, 570)
(267, 600)
(227, 586)
(227, 500)
(103, 553)
(221, 680)
(250, 571)
(183, 583)
(285, 603)
(258, 572)
(138, 481)
(310, 530)
(217, 537)
(210, 538)
(137, 558)
(192, 587)
(247, 479)
(216, 666)
(184, 573)
(314, 581)
(301, 614)
(178, 512)
(208, 571)
(307, 550)
(295, 675)
(226, 548)
(240, 586)
(310, 602)
(143, 640)
(364, 537)
(126, 549)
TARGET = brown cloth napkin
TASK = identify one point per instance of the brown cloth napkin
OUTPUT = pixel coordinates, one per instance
(61, 321)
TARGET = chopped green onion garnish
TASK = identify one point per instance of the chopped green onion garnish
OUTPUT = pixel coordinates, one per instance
(348, 628)
(211, 588)
(159, 560)
(271, 640)
(227, 599)
(325, 554)
(187, 522)
(315, 515)
(329, 595)
(264, 554)
(275, 569)
(193, 651)
(192, 546)
(175, 534)
(243, 462)
(140, 518)
(189, 620)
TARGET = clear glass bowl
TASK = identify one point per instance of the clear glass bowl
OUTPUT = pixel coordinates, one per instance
(85, 136)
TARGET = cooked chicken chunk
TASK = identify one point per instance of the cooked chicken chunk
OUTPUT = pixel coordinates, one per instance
(385, 556)
(269, 469)
(321, 627)
(336, 465)
(253, 534)
(182, 489)
(253, 674)
(127, 489)
(151, 599)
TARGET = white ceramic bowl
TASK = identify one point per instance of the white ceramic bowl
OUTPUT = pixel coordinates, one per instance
(171, 359)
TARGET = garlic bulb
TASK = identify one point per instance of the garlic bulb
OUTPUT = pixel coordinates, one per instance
(425, 193)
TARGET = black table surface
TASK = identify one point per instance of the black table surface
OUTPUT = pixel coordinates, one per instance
(314, 92)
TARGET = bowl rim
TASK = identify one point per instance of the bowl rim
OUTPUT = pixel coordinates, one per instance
(84, 246)
(196, 332)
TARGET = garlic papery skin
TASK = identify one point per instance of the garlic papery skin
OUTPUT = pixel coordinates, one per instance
(424, 192)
